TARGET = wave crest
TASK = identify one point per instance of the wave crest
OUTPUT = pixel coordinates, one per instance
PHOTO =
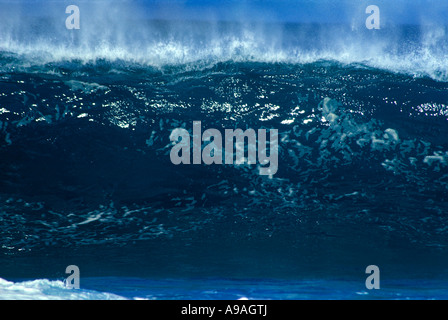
(416, 50)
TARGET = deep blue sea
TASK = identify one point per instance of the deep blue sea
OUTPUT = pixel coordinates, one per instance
(86, 177)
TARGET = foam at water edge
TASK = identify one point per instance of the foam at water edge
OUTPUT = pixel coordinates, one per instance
(44, 289)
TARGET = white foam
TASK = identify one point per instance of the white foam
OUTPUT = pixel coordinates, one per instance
(44, 289)
(429, 65)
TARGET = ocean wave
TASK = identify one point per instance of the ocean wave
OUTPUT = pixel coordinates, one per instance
(86, 118)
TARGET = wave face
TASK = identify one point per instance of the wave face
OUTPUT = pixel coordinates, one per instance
(85, 170)
(85, 154)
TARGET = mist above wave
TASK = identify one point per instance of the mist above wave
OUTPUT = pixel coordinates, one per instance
(124, 32)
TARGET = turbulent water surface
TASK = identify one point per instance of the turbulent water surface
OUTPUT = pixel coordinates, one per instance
(86, 176)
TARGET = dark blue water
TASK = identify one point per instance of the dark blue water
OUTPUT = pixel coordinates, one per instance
(86, 176)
